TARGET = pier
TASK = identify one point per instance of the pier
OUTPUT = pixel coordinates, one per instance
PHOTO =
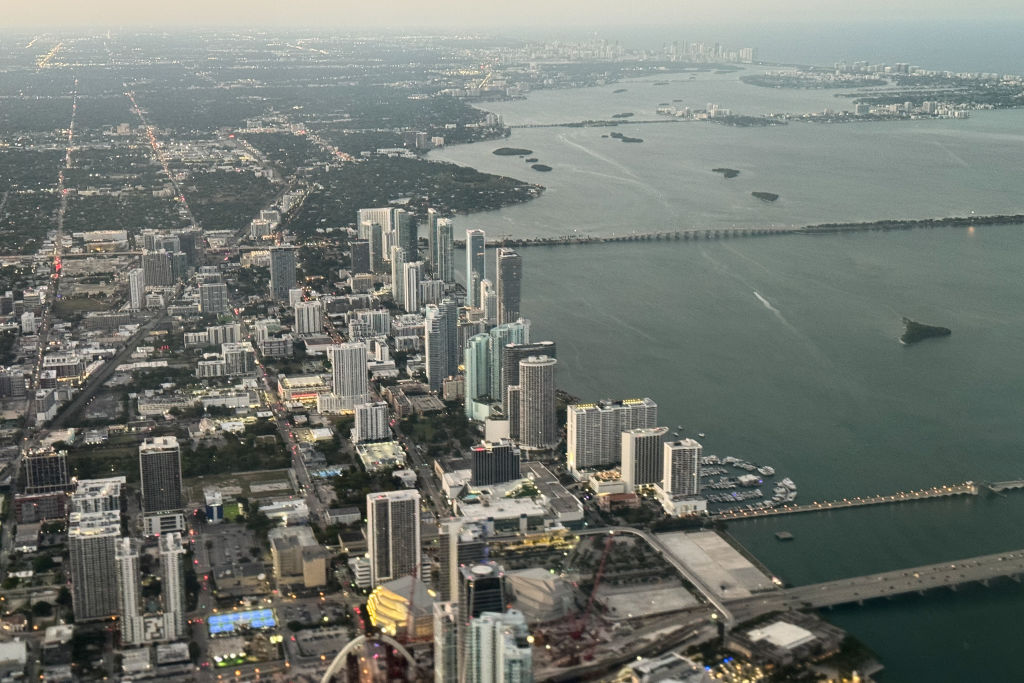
(968, 488)
(1001, 486)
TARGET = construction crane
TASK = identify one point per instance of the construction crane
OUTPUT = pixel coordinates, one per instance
(581, 623)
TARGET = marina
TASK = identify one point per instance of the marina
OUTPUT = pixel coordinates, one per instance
(715, 476)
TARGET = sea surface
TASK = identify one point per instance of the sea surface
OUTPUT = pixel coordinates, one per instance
(784, 350)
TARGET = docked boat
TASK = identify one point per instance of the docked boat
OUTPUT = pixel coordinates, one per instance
(766, 470)
(788, 483)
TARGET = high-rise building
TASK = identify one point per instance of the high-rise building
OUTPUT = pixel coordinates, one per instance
(681, 473)
(512, 353)
(92, 539)
(512, 408)
(499, 649)
(440, 333)
(371, 422)
(412, 275)
(488, 303)
(309, 317)
(282, 272)
(594, 430)
(405, 237)
(156, 269)
(476, 265)
(373, 233)
(359, 256)
(398, 275)
(441, 247)
(481, 589)
(494, 462)
(517, 332)
(126, 559)
(46, 472)
(213, 298)
(460, 545)
(446, 644)
(137, 289)
(393, 534)
(478, 373)
(172, 578)
(349, 374)
(642, 459)
(509, 284)
(537, 428)
(160, 476)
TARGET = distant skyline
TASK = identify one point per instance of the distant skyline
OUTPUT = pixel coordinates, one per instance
(463, 14)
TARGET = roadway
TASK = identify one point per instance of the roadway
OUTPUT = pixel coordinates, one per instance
(884, 584)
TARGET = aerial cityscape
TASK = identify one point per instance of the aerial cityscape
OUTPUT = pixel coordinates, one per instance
(474, 357)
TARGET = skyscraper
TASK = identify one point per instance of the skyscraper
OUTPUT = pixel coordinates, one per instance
(349, 374)
(156, 268)
(359, 256)
(371, 422)
(160, 475)
(92, 539)
(476, 266)
(594, 430)
(441, 248)
(282, 272)
(642, 459)
(478, 372)
(517, 332)
(494, 462)
(682, 468)
(446, 645)
(172, 577)
(137, 289)
(509, 284)
(405, 237)
(481, 589)
(512, 353)
(398, 275)
(412, 275)
(213, 298)
(440, 334)
(373, 233)
(489, 302)
(308, 317)
(393, 534)
(126, 559)
(537, 429)
(499, 649)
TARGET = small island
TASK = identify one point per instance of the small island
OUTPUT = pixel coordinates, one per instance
(532, 160)
(726, 172)
(623, 115)
(914, 332)
(616, 92)
(765, 196)
(625, 138)
(512, 152)
(543, 168)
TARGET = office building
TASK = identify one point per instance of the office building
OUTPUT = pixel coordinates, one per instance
(642, 458)
(130, 608)
(499, 649)
(372, 422)
(172, 577)
(494, 462)
(460, 545)
(282, 272)
(359, 256)
(508, 285)
(373, 233)
(594, 430)
(481, 589)
(308, 317)
(412, 275)
(349, 373)
(398, 275)
(478, 375)
(512, 353)
(393, 534)
(46, 472)
(160, 480)
(476, 266)
(537, 428)
(213, 298)
(137, 289)
(92, 539)
(405, 236)
(681, 476)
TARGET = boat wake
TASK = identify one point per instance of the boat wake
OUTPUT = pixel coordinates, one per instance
(778, 314)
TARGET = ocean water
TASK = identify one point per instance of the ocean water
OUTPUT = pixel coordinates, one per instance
(783, 350)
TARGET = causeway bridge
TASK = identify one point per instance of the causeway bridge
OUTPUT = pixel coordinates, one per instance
(951, 574)
(968, 488)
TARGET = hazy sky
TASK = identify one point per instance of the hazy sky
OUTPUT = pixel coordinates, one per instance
(456, 14)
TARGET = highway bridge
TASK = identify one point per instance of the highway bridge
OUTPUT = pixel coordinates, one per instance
(886, 584)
